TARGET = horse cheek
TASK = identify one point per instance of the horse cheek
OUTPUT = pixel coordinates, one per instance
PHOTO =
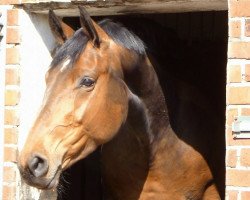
(112, 112)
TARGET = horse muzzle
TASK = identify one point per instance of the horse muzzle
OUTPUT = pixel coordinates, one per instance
(35, 173)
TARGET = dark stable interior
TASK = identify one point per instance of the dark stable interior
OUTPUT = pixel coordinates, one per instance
(191, 52)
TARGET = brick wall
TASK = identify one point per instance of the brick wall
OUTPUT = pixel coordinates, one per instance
(19, 83)
(238, 100)
(12, 96)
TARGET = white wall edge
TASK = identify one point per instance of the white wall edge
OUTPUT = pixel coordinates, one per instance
(37, 42)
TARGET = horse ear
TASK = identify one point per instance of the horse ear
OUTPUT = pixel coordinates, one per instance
(60, 30)
(90, 28)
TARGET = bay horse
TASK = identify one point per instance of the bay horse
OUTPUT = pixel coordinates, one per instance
(102, 90)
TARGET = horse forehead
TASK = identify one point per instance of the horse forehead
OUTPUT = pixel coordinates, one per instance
(87, 61)
(92, 57)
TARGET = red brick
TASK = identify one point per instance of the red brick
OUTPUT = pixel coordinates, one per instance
(6, 2)
(12, 56)
(13, 17)
(29, 1)
(245, 195)
(230, 116)
(13, 35)
(232, 194)
(245, 111)
(239, 178)
(234, 73)
(239, 50)
(231, 158)
(245, 157)
(235, 29)
(10, 154)
(239, 8)
(10, 135)
(11, 117)
(247, 27)
(9, 192)
(231, 141)
(12, 97)
(9, 174)
(247, 73)
(12, 76)
(238, 95)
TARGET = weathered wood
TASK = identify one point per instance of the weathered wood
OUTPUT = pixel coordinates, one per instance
(120, 7)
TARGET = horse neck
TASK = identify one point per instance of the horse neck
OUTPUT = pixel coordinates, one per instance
(143, 142)
(144, 83)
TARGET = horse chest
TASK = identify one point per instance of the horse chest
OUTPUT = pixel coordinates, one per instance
(127, 175)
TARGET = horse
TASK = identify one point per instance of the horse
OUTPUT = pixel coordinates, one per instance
(103, 91)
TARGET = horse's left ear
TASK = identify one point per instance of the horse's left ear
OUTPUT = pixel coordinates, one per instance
(60, 30)
(91, 29)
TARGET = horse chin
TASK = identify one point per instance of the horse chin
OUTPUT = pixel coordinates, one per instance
(52, 184)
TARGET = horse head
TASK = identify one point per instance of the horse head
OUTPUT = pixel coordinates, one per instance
(86, 98)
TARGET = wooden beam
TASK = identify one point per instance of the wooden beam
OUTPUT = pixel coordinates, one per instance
(122, 7)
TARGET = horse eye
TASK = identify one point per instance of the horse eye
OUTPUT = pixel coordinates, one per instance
(87, 82)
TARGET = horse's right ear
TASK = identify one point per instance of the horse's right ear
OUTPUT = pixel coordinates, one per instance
(91, 28)
(60, 30)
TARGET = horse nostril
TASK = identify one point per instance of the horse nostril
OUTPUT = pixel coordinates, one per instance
(38, 166)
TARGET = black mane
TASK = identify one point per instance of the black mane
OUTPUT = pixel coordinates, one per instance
(73, 47)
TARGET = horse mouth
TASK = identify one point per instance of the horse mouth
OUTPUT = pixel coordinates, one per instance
(42, 182)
